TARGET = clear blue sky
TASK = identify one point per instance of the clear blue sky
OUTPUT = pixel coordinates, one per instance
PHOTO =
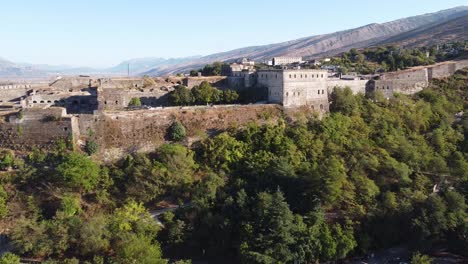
(105, 32)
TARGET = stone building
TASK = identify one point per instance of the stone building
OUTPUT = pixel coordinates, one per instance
(286, 60)
(296, 87)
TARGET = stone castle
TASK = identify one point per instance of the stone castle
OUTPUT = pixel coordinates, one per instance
(84, 108)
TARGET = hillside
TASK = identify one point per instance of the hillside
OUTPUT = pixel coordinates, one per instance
(334, 43)
(453, 30)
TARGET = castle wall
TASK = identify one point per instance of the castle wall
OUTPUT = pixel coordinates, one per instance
(122, 132)
(417, 74)
(215, 81)
(123, 83)
(357, 86)
(73, 83)
(8, 95)
(38, 128)
(119, 98)
(273, 80)
(442, 70)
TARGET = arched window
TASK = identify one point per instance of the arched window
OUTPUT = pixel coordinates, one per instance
(321, 107)
(318, 92)
(287, 94)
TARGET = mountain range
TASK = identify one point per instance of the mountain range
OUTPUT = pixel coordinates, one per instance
(439, 27)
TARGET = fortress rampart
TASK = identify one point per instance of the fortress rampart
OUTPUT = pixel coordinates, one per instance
(101, 113)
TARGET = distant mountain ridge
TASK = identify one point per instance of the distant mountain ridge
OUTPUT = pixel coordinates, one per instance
(427, 29)
(330, 44)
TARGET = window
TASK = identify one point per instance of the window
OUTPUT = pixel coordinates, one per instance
(34, 102)
(294, 76)
(290, 76)
(323, 91)
(287, 94)
(65, 129)
(322, 75)
(321, 107)
(318, 92)
(42, 102)
(306, 75)
(301, 76)
(276, 76)
(116, 102)
(388, 87)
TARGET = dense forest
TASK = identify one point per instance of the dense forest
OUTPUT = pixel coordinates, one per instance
(372, 174)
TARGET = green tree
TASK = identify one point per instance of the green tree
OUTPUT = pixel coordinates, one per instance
(204, 93)
(70, 205)
(78, 172)
(94, 236)
(177, 131)
(135, 249)
(230, 96)
(223, 151)
(343, 100)
(270, 234)
(181, 96)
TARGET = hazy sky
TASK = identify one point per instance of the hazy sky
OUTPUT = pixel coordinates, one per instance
(105, 32)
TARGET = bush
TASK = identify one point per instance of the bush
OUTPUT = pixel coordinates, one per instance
(91, 147)
(9, 258)
(420, 259)
(134, 102)
(7, 159)
(177, 131)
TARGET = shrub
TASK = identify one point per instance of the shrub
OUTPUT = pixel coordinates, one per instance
(7, 159)
(91, 147)
(134, 102)
(9, 258)
(177, 131)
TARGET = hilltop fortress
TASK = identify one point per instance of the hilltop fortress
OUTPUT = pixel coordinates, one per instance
(81, 109)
